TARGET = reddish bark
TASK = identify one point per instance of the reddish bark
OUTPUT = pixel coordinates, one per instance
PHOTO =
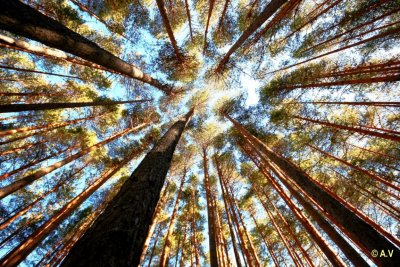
(210, 9)
(354, 129)
(26, 180)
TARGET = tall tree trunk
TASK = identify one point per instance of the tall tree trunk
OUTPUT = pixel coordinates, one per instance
(196, 249)
(352, 29)
(38, 71)
(167, 244)
(312, 19)
(116, 240)
(33, 163)
(154, 245)
(265, 239)
(369, 174)
(231, 230)
(21, 19)
(236, 223)
(378, 36)
(11, 188)
(28, 207)
(168, 28)
(181, 264)
(357, 228)
(159, 208)
(210, 213)
(221, 18)
(20, 252)
(51, 125)
(252, 249)
(21, 45)
(189, 19)
(47, 106)
(16, 149)
(378, 104)
(268, 11)
(210, 9)
(354, 129)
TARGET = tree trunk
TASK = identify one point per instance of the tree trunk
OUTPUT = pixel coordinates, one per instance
(234, 243)
(11, 188)
(371, 175)
(210, 213)
(189, 19)
(167, 244)
(210, 9)
(57, 124)
(20, 45)
(265, 239)
(378, 36)
(268, 11)
(154, 246)
(19, 253)
(16, 149)
(167, 25)
(252, 249)
(221, 18)
(378, 104)
(358, 229)
(37, 71)
(116, 240)
(159, 208)
(21, 19)
(28, 207)
(196, 250)
(46, 106)
(352, 129)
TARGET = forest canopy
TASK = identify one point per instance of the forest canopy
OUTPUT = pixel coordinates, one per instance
(199, 133)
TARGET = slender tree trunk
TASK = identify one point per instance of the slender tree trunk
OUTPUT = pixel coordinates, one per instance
(375, 152)
(357, 129)
(33, 163)
(154, 245)
(168, 28)
(231, 230)
(11, 188)
(159, 208)
(210, 213)
(196, 250)
(252, 249)
(47, 106)
(358, 229)
(178, 248)
(265, 239)
(21, 19)
(384, 79)
(183, 248)
(210, 9)
(371, 175)
(378, 104)
(15, 233)
(116, 240)
(28, 207)
(167, 244)
(378, 36)
(16, 149)
(268, 11)
(352, 29)
(236, 223)
(325, 10)
(51, 125)
(283, 12)
(222, 17)
(37, 71)
(19, 253)
(189, 19)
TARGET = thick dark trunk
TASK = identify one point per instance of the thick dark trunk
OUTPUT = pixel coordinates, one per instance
(268, 11)
(118, 235)
(21, 19)
(358, 229)
(46, 106)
